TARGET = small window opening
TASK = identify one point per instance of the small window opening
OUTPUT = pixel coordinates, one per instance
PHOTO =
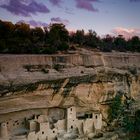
(96, 116)
(89, 115)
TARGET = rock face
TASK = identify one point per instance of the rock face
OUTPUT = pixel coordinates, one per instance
(34, 84)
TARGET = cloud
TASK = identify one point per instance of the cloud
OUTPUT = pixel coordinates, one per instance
(127, 33)
(59, 20)
(25, 7)
(34, 23)
(37, 23)
(69, 11)
(56, 2)
(134, 0)
(4, 2)
(86, 4)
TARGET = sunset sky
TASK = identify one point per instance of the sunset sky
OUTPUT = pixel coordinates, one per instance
(103, 16)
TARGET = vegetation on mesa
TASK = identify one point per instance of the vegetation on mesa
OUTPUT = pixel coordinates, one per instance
(21, 39)
(122, 113)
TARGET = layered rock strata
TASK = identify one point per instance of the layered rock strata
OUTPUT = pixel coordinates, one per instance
(31, 85)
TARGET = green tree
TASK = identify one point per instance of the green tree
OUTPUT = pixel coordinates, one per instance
(78, 37)
(91, 39)
(22, 30)
(6, 32)
(120, 43)
(107, 43)
(37, 34)
(58, 36)
(6, 29)
(116, 107)
(58, 32)
(134, 44)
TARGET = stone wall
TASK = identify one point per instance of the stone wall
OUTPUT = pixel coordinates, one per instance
(14, 62)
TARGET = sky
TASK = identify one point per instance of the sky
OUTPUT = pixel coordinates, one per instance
(103, 16)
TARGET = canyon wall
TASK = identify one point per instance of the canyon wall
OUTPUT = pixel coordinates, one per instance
(32, 84)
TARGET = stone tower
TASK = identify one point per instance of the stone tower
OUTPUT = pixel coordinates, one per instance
(4, 131)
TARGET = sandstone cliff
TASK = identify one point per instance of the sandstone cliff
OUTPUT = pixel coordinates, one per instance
(29, 82)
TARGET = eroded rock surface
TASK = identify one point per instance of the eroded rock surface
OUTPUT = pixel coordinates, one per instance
(33, 85)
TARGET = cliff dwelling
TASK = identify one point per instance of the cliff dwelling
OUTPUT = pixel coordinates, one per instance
(67, 97)
(48, 127)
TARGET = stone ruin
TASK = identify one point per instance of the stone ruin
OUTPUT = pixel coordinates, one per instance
(63, 124)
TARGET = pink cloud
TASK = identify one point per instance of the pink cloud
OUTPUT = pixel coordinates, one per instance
(86, 4)
(127, 33)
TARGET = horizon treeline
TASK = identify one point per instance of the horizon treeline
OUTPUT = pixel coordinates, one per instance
(20, 38)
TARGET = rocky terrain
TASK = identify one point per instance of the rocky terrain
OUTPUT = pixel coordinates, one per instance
(32, 84)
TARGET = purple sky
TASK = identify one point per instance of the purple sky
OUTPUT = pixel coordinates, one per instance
(104, 16)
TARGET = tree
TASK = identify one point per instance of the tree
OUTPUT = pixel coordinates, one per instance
(22, 30)
(20, 38)
(78, 37)
(6, 32)
(120, 43)
(46, 34)
(115, 109)
(37, 34)
(6, 29)
(107, 43)
(58, 32)
(58, 35)
(134, 44)
(91, 39)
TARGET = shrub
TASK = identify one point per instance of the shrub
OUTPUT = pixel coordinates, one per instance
(44, 70)
(49, 50)
(133, 70)
(28, 67)
(58, 67)
(115, 108)
(63, 46)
